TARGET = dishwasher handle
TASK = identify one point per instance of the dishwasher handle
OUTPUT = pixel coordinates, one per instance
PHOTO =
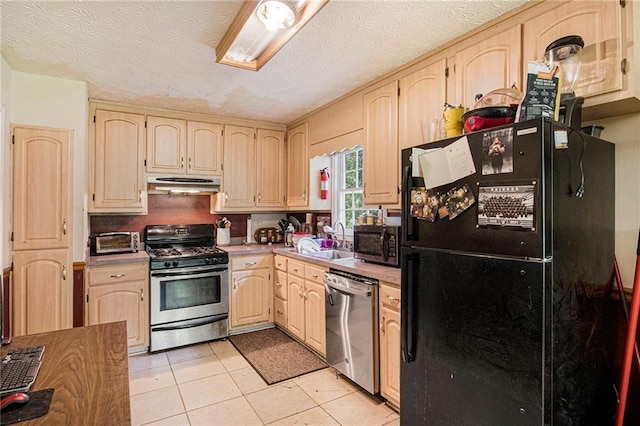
(347, 290)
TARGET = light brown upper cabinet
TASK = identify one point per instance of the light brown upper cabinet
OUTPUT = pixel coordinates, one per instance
(238, 184)
(298, 166)
(600, 24)
(490, 64)
(42, 182)
(422, 96)
(204, 148)
(254, 172)
(166, 145)
(177, 146)
(116, 163)
(381, 151)
(270, 176)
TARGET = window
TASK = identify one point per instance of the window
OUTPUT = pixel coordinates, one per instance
(348, 188)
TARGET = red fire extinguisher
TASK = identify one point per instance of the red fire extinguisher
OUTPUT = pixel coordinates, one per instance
(324, 183)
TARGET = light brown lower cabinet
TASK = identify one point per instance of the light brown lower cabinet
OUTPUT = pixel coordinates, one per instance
(41, 291)
(305, 304)
(120, 293)
(390, 343)
(251, 295)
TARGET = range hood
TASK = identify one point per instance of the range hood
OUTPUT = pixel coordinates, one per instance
(183, 185)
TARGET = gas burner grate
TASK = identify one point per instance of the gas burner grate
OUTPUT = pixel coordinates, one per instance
(163, 252)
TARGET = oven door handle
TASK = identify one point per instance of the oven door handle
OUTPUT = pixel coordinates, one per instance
(190, 324)
(192, 272)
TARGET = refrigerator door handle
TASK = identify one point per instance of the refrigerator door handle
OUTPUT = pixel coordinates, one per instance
(407, 226)
(406, 310)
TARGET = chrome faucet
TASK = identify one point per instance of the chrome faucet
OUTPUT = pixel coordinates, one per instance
(335, 225)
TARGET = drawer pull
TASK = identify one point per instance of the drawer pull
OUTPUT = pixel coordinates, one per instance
(315, 276)
(393, 299)
(295, 269)
(251, 264)
(118, 275)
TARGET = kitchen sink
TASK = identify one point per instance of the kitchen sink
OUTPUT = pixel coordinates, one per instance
(330, 254)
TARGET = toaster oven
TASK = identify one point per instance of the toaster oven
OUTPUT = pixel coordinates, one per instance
(114, 242)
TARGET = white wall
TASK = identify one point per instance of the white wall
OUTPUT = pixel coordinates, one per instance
(53, 102)
(5, 161)
(623, 132)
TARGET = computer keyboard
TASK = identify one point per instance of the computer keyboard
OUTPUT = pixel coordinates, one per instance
(19, 369)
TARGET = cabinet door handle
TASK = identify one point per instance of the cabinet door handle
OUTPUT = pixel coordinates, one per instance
(181, 162)
(278, 285)
(259, 197)
(304, 195)
(382, 326)
(64, 226)
(140, 196)
(189, 166)
(235, 282)
(226, 197)
(393, 299)
(64, 272)
(118, 275)
(142, 295)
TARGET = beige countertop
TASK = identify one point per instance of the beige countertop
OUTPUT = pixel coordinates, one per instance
(356, 266)
(114, 259)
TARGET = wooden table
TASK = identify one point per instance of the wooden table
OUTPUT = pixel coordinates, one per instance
(88, 369)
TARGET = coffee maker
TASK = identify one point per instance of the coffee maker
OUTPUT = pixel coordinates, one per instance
(565, 53)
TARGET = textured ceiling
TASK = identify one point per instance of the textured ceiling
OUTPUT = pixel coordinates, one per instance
(162, 53)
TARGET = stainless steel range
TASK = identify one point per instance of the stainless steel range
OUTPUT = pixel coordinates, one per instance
(189, 285)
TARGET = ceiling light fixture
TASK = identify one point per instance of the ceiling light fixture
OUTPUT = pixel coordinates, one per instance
(261, 29)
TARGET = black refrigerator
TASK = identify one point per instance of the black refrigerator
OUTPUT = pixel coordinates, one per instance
(504, 316)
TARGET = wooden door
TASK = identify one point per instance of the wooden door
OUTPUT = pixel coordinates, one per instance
(381, 152)
(315, 333)
(598, 23)
(422, 96)
(250, 301)
(42, 291)
(298, 166)
(239, 166)
(390, 355)
(488, 65)
(270, 169)
(295, 306)
(42, 182)
(121, 302)
(117, 163)
(204, 149)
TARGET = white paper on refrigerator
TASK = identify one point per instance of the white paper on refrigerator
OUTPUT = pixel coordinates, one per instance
(441, 166)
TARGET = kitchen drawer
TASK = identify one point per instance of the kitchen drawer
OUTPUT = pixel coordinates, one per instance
(117, 273)
(280, 262)
(241, 263)
(390, 296)
(296, 268)
(280, 285)
(314, 274)
(280, 312)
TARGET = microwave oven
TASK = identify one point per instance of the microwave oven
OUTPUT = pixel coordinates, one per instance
(377, 244)
(114, 242)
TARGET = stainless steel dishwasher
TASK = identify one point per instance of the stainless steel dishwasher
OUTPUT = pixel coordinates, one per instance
(352, 327)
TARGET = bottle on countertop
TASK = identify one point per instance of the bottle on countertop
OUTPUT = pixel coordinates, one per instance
(380, 215)
(369, 218)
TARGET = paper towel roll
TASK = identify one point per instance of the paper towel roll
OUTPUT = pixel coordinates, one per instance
(249, 231)
(309, 218)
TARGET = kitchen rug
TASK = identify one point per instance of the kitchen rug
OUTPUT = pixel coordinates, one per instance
(276, 356)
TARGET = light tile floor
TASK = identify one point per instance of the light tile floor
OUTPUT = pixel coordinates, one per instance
(212, 384)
